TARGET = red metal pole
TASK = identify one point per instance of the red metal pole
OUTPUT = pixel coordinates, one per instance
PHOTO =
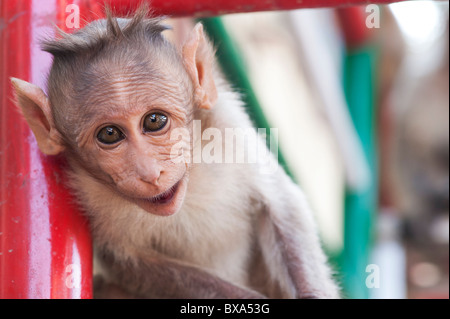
(352, 21)
(204, 8)
(94, 9)
(45, 246)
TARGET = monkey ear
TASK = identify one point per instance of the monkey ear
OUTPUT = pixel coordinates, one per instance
(198, 58)
(35, 108)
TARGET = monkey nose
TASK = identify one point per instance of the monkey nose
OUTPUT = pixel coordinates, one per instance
(152, 179)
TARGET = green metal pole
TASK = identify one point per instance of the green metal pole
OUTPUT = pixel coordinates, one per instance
(360, 206)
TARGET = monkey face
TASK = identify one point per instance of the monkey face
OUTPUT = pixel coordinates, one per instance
(136, 163)
(128, 146)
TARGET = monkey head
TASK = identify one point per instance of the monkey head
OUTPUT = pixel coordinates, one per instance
(116, 90)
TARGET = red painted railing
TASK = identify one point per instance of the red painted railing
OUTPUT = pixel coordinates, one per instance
(202, 8)
(45, 245)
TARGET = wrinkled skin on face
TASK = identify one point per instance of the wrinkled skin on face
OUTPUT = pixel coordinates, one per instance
(139, 165)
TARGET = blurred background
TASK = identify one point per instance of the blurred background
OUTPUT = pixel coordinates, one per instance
(360, 97)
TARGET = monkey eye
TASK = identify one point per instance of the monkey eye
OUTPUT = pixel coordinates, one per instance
(154, 122)
(110, 135)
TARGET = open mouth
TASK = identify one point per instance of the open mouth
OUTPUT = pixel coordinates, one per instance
(164, 204)
(165, 197)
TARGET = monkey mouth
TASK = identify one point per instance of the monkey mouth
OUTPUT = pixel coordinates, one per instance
(166, 203)
(164, 197)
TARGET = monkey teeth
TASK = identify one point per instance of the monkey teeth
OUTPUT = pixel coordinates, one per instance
(164, 197)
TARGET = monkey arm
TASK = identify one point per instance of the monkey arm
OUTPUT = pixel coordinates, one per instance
(161, 277)
(290, 244)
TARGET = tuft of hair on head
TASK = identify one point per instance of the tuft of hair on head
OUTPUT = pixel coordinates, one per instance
(141, 23)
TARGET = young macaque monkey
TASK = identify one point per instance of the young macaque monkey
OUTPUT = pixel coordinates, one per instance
(165, 225)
